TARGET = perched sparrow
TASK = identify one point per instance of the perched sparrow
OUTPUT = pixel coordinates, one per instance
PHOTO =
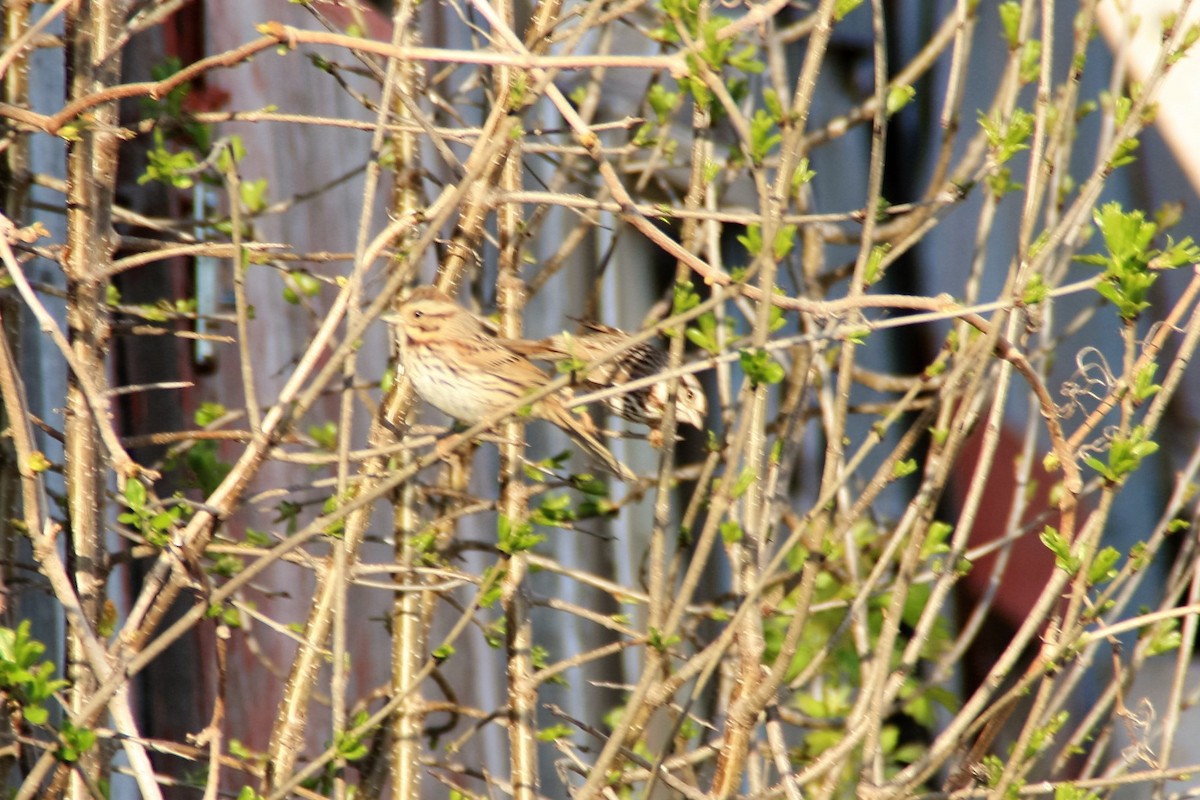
(645, 404)
(459, 368)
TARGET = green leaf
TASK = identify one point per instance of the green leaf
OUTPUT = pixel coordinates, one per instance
(802, 175)
(1007, 137)
(516, 538)
(1069, 791)
(992, 768)
(589, 485)
(1189, 40)
(209, 413)
(1010, 22)
(662, 643)
(1101, 569)
(760, 367)
(785, 240)
(206, 467)
(1043, 736)
(598, 508)
(703, 332)
(553, 511)
(351, 748)
(73, 742)
(1125, 454)
(776, 318)
(752, 239)
(684, 297)
(491, 588)
(1057, 543)
(1127, 276)
(1144, 386)
(764, 135)
(166, 520)
(1035, 292)
(1176, 254)
(37, 462)
(304, 283)
(257, 538)
(325, 435)
(225, 565)
(711, 170)
(25, 680)
(874, 261)
(171, 168)
(135, 495)
(843, 7)
(1121, 106)
(1031, 61)
(744, 481)
(898, 97)
(231, 154)
(774, 106)
(537, 471)
(1000, 182)
(254, 195)
(36, 714)
(555, 732)
(935, 539)
(1123, 153)
(1164, 637)
(662, 102)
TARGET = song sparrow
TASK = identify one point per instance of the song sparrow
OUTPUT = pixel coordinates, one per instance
(644, 405)
(458, 367)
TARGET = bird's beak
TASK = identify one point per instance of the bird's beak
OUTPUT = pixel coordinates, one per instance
(689, 415)
(391, 317)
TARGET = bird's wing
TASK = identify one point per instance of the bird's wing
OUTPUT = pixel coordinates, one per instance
(491, 356)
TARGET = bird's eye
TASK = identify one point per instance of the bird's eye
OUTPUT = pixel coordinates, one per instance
(417, 314)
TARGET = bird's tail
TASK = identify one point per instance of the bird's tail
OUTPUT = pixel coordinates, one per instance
(580, 429)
